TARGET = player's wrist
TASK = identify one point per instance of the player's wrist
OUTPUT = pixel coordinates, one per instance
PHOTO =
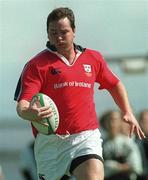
(27, 113)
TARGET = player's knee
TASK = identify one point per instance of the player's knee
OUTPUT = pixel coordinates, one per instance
(90, 176)
(90, 170)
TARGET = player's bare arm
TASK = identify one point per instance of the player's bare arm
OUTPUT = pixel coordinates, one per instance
(120, 96)
(33, 113)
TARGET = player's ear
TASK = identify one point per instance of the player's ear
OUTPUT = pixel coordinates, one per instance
(74, 30)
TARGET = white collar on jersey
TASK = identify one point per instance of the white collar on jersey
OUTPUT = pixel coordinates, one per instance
(78, 50)
(64, 59)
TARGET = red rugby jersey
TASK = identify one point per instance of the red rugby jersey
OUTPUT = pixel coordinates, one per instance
(70, 86)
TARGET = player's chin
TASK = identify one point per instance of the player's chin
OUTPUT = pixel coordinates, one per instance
(62, 46)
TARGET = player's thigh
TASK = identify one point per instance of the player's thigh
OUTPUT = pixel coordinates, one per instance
(91, 169)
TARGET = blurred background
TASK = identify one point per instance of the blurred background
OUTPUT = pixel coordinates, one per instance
(116, 28)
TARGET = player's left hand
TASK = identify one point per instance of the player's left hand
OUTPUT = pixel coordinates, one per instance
(134, 125)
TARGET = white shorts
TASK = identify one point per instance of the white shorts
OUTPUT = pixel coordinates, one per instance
(56, 156)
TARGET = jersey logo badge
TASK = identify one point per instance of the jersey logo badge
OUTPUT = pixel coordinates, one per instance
(87, 69)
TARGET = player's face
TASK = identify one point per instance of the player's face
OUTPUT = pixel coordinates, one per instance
(61, 34)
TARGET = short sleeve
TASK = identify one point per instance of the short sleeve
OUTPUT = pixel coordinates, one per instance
(105, 77)
(29, 83)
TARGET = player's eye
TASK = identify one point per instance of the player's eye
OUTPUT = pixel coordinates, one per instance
(63, 33)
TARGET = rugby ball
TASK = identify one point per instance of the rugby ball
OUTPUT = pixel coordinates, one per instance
(41, 100)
